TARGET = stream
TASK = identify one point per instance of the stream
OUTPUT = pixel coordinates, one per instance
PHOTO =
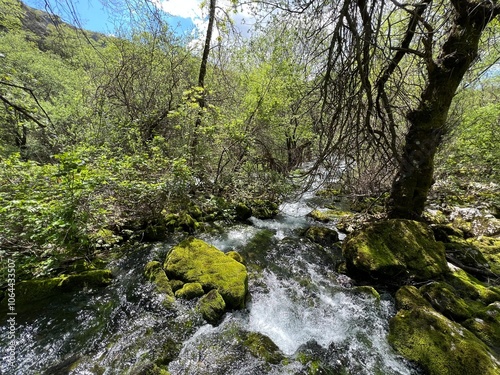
(320, 321)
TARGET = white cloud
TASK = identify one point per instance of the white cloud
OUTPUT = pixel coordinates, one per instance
(191, 9)
(181, 8)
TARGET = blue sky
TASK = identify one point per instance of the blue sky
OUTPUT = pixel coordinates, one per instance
(94, 16)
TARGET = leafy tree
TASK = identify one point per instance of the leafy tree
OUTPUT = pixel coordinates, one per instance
(363, 52)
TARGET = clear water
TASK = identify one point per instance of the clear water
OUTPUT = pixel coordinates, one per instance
(296, 299)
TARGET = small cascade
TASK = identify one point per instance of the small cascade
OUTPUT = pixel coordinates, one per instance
(301, 315)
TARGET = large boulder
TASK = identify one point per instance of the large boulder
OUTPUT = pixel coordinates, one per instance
(395, 250)
(195, 261)
(438, 344)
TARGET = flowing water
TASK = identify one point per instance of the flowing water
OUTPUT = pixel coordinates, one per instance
(320, 321)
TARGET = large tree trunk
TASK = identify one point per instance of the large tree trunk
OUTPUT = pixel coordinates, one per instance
(428, 122)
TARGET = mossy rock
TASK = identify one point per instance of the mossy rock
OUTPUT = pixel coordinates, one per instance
(156, 274)
(408, 298)
(490, 248)
(395, 250)
(365, 290)
(190, 291)
(443, 232)
(444, 298)
(322, 216)
(176, 285)
(487, 329)
(243, 212)
(468, 287)
(212, 306)
(195, 261)
(322, 235)
(439, 345)
(181, 222)
(261, 346)
(467, 253)
(263, 209)
(236, 256)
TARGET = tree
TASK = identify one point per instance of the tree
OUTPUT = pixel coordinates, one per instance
(387, 75)
(428, 119)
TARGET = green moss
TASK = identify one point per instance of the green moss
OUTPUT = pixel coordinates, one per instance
(90, 279)
(263, 209)
(409, 298)
(444, 299)
(155, 273)
(194, 260)
(367, 290)
(490, 248)
(212, 306)
(243, 212)
(236, 256)
(396, 249)
(469, 287)
(261, 346)
(180, 222)
(440, 345)
(323, 216)
(322, 235)
(488, 330)
(190, 291)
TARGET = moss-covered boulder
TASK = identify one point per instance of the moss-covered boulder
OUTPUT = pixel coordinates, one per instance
(444, 299)
(439, 345)
(468, 287)
(243, 212)
(236, 256)
(155, 273)
(466, 253)
(264, 209)
(195, 261)
(261, 346)
(396, 250)
(182, 222)
(322, 235)
(212, 306)
(323, 216)
(190, 291)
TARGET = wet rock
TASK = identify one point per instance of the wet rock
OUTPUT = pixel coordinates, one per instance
(212, 306)
(195, 261)
(263, 209)
(190, 291)
(395, 250)
(243, 212)
(261, 346)
(322, 235)
(155, 273)
(236, 256)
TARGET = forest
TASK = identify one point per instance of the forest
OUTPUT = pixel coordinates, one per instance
(387, 112)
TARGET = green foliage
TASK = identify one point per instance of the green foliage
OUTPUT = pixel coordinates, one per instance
(473, 153)
(84, 201)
